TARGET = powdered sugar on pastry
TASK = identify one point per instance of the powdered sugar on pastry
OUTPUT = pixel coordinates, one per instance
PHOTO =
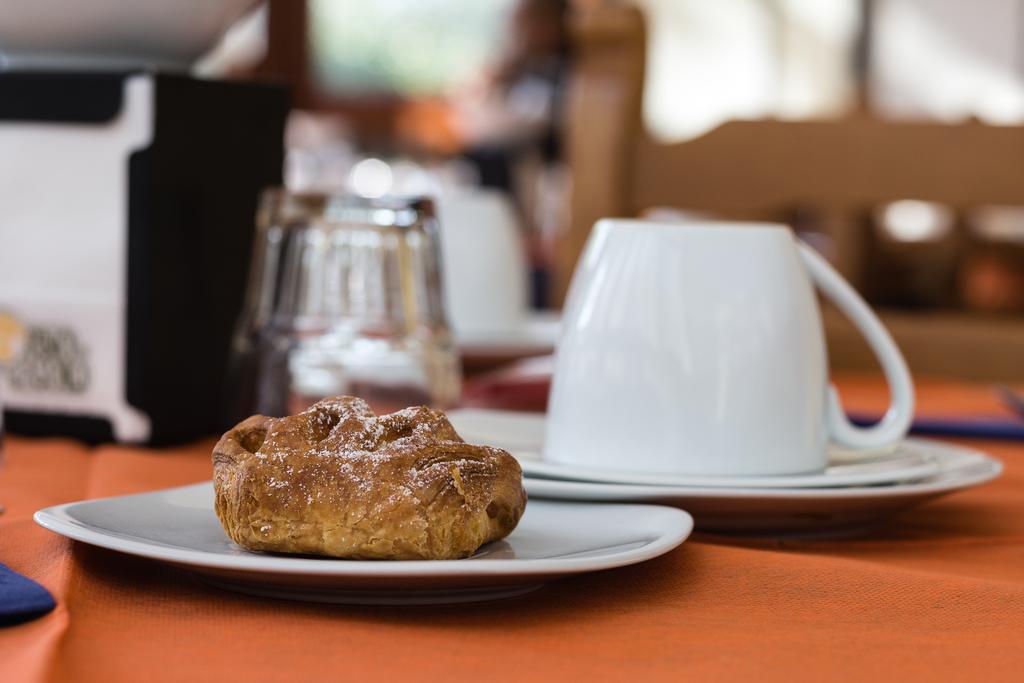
(338, 480)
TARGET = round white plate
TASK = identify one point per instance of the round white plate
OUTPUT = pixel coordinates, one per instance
(537, 334)
(792, 511)
(522, 435)
(553, 539)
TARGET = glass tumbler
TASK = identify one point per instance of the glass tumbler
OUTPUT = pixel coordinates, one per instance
(344, 297)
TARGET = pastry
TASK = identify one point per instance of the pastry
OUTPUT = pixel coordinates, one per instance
(338, 480)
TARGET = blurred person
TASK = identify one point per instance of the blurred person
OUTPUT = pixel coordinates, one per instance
(507, 124)
(518, 108)
(512, 124)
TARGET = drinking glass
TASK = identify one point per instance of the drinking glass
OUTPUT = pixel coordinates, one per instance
(344, 297)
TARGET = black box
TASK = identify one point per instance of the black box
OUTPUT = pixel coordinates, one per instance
(127, 205)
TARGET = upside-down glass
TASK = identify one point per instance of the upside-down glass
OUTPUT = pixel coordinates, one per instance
(344, 297)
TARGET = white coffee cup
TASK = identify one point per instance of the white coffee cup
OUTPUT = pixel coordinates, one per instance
(483, 261)
(698, 349)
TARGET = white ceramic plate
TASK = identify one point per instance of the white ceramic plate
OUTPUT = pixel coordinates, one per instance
(537, 334)
(792, 511)
(91, 34)
(553, 539)
(522, 435)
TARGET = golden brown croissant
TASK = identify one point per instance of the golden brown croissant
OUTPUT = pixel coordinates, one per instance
(338, 480)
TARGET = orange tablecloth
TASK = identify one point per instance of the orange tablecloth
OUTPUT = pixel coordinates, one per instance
(938, 594)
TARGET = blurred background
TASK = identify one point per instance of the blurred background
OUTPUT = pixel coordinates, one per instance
(888, 133)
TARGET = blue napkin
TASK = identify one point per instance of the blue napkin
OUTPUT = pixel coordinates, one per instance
(21, 598)
(978, 427)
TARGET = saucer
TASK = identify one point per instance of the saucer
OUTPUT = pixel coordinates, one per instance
(553, 539)
(536, 334)
(792, 511)
(522, 435)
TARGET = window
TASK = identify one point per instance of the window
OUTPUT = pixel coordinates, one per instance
(400, 47)
(713, 61)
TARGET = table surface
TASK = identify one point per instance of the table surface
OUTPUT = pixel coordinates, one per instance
(936, 594)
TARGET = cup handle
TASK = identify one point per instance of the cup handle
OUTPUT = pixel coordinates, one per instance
(894, 425)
